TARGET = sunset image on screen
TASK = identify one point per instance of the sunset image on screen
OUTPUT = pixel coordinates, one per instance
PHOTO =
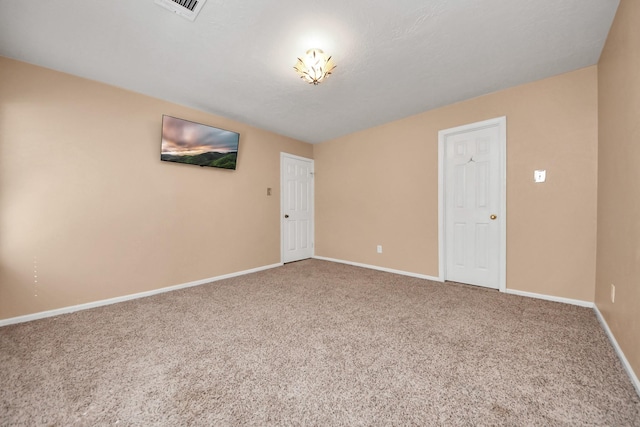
(197, 144)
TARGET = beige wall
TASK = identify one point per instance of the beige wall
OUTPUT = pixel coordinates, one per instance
(85, 197)
(619, 181)
(380, 186)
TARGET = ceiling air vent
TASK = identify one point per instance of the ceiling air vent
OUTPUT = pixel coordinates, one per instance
(186, 8)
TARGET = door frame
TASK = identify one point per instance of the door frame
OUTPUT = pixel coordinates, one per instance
(501, 122)
(284, 155)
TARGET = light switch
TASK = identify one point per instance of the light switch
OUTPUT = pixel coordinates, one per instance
(540, 175)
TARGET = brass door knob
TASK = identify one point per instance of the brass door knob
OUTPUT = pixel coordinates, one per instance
(493, 217)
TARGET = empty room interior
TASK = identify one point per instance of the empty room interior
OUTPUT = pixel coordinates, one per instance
(428, 213)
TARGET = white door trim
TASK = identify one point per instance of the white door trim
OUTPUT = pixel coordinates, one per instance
(501, 122)
(284, 155)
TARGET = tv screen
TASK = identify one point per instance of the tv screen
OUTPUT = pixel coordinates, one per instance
(197, 144)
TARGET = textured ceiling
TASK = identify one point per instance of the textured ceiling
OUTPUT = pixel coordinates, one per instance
(394, 58)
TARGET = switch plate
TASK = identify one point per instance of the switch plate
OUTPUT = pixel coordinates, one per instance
(379, 249)
(540, 175)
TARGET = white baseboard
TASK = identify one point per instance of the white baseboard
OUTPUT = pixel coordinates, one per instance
(621, 356)
(577, 302)
(437, 279)
(73, 308)
(375, 267)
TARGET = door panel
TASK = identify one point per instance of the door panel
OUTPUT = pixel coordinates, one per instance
(472, 194)
(297, 208)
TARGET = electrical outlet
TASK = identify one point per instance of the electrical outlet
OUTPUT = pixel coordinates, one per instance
(379, 249)
(613, 293)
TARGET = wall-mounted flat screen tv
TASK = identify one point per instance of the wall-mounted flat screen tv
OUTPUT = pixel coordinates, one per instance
(197, 144)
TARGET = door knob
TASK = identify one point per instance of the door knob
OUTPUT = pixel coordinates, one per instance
(286, 216)
(493, 217)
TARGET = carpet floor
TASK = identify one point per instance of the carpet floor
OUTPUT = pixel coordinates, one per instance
(316, 343)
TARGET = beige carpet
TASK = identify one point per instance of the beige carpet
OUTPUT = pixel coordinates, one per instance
(316, 343)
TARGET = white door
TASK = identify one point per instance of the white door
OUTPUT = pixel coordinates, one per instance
(297, 207)
(473, 193)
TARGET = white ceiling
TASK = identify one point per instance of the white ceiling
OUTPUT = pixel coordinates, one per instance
(394, 58)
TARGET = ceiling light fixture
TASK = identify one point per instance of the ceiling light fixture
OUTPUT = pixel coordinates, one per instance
(314, 66)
